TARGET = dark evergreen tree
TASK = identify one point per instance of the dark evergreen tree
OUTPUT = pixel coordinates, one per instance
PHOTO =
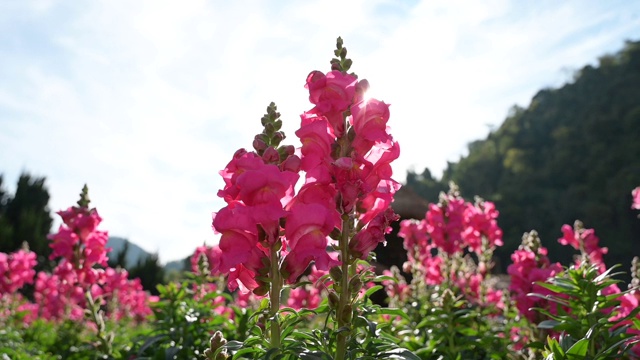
(25, 217)
(150, 272)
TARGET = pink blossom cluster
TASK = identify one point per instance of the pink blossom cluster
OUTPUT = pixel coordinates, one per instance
(635, 194)
(629, 302)
(79, 243)
(450, 228)
(586, 241)
(397, 289)
(530, 265)
(346, 154)
(256, 193)
(308, 296)
(420, 252)
(16, 269)
(125, 297)
(81, 270)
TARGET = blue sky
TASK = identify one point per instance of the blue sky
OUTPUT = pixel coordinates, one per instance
(146, 101)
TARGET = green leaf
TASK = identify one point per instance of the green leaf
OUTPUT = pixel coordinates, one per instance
(554, 346)
(245, 351)
(394, 312)
(548, 324)
(399, 353)
(579, 349)
(372, 289)
(314, 355)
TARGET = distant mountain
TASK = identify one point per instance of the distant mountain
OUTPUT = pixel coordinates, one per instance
(134, 252)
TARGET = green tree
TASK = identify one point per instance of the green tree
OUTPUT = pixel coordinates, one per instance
(571, 154)
(150, 272)
(25, 217)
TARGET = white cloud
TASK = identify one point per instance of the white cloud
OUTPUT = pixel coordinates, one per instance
(147, 101)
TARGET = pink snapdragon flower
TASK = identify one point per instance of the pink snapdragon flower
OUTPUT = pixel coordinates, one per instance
(332, 94)
(369, 120)
(82, 272)
(127, 296)
(308, 296)
(78, 240)
(530, 265)
(586, 241)
(373, 234)
(256, 191)
(635, 194)
(445, 224)
(346, 154)
(480, 220)
(307, 229)
(16, 269)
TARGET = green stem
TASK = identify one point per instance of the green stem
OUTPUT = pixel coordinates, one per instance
(274, 298)
(345, 293)
(105, 344)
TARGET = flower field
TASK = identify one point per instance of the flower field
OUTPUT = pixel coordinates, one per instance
(294, 273)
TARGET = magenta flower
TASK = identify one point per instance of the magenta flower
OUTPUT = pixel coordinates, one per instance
(332, 94)
(78, 240)
(586, 241)
(369, 120)
(307, 229)
(16, 269)
(636, 198)
(530, 265)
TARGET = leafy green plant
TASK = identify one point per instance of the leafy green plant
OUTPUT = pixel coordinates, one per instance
(587, 315)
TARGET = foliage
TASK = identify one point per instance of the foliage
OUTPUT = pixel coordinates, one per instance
(25, 217)
(588, 314)
(571, 154)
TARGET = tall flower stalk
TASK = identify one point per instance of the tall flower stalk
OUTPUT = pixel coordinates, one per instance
(270, 235)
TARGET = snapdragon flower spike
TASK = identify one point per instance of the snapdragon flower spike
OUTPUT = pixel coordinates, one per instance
(345, 146)
(83, 270)
(531, 265)
(258, 186)
(78, 241)
(586, 241)
(481, 223)
(445, 223)
(419, 247)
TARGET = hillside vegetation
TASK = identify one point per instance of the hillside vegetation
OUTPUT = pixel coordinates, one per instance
(573, 153)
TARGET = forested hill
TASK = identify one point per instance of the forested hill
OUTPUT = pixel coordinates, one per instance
(573, 153)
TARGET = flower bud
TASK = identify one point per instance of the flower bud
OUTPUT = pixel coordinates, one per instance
(347, 314)
(291, 163)
(261, 290)
(355, 285)
(269, 129)
(277, 137)
(271, 155)
(333, 300)
(217, 341)
(259, 144)
(336, 273)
